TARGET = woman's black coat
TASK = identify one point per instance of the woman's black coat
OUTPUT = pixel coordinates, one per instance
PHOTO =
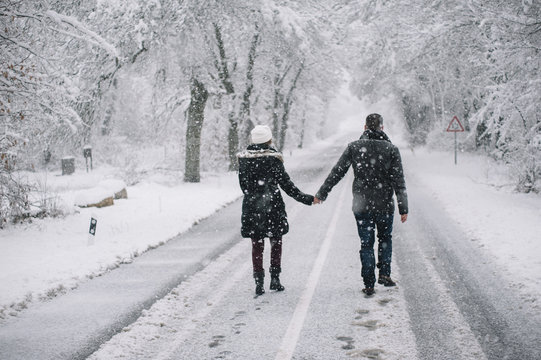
(261, 171)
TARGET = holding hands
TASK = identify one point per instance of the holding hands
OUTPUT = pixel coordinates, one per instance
(403, 217)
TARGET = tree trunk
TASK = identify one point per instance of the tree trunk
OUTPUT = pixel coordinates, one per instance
(275, 108)
(244, 111)
(303, 123)
(223, 72)
(278, 99)
(107, 125)
(233, 140)
(196, 115)
(222, 66)
(287, 107)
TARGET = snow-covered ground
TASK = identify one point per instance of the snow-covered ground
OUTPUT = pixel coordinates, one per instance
(478, 194)
(185, 320)
(50, 256)
(47, 257)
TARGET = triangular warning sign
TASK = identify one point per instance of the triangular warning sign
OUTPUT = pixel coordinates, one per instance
(455, 125)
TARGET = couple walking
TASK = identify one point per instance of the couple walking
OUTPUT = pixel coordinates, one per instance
(377, 168)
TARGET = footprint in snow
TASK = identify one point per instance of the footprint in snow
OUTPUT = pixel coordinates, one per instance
(367, 354)
(223, 354)
(217, 340)
(384, 302)
(349, 342)
(360, 313)
(369, 324)
(237, 327)
(238, 314)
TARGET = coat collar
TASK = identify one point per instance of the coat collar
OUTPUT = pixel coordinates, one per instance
(374, 135)
(260, 150)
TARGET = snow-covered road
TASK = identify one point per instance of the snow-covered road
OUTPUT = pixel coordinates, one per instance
(192, 298)
(460, 305)
(321, 315)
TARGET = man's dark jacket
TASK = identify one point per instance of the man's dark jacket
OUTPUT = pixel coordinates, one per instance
(261, 171)
(377, 167)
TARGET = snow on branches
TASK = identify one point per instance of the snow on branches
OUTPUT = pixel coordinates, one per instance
(87, 34)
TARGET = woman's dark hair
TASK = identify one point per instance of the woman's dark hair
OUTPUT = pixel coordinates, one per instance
(374, 121)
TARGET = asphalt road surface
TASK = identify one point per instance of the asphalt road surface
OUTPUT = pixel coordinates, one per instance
(193, 298)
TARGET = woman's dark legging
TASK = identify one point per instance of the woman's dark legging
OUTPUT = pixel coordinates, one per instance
(258, 246)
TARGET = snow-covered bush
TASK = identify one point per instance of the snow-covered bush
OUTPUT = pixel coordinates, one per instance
(13, 198)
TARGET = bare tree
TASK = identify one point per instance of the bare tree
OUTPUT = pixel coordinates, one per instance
(196, 116)
(241, 119)
(287, 107)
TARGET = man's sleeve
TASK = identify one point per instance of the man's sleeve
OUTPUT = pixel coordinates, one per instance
(336, 174)
(398, 182)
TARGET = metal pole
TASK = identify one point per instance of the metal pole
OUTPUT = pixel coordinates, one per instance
(455, 148)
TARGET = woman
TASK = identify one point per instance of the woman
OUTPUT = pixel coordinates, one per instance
(261, 171)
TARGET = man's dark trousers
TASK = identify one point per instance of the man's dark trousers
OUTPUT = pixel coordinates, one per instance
(367, 224)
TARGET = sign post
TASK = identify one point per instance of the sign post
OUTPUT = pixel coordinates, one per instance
(455, 126)
(87, 153)
(92, 230)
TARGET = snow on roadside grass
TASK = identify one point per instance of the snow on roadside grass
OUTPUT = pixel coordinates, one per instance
(478, 194)
(49, 256)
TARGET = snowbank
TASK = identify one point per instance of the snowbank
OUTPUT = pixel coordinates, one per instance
(479, 195)
(49, 256)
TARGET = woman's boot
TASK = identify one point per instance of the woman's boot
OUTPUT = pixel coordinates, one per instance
(259, 277)
(275, 279)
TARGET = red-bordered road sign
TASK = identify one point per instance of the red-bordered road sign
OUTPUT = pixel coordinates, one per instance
(455, 125)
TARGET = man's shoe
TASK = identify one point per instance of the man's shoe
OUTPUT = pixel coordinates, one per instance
(369, 291)
(386, 281)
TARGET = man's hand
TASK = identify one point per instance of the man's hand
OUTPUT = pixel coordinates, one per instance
(316, 201)
(404, 217)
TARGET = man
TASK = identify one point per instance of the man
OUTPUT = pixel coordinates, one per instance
(377, 167)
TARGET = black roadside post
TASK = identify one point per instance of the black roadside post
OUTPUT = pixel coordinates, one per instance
(47, 156)
(68, 165)
(87, 153)
(92, 230)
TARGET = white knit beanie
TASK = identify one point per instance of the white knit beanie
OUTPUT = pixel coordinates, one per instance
(261, 134)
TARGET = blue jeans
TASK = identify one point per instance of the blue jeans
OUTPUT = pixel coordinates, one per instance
(367, 224)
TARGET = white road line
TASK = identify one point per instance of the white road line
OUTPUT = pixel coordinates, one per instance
(291, 337)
